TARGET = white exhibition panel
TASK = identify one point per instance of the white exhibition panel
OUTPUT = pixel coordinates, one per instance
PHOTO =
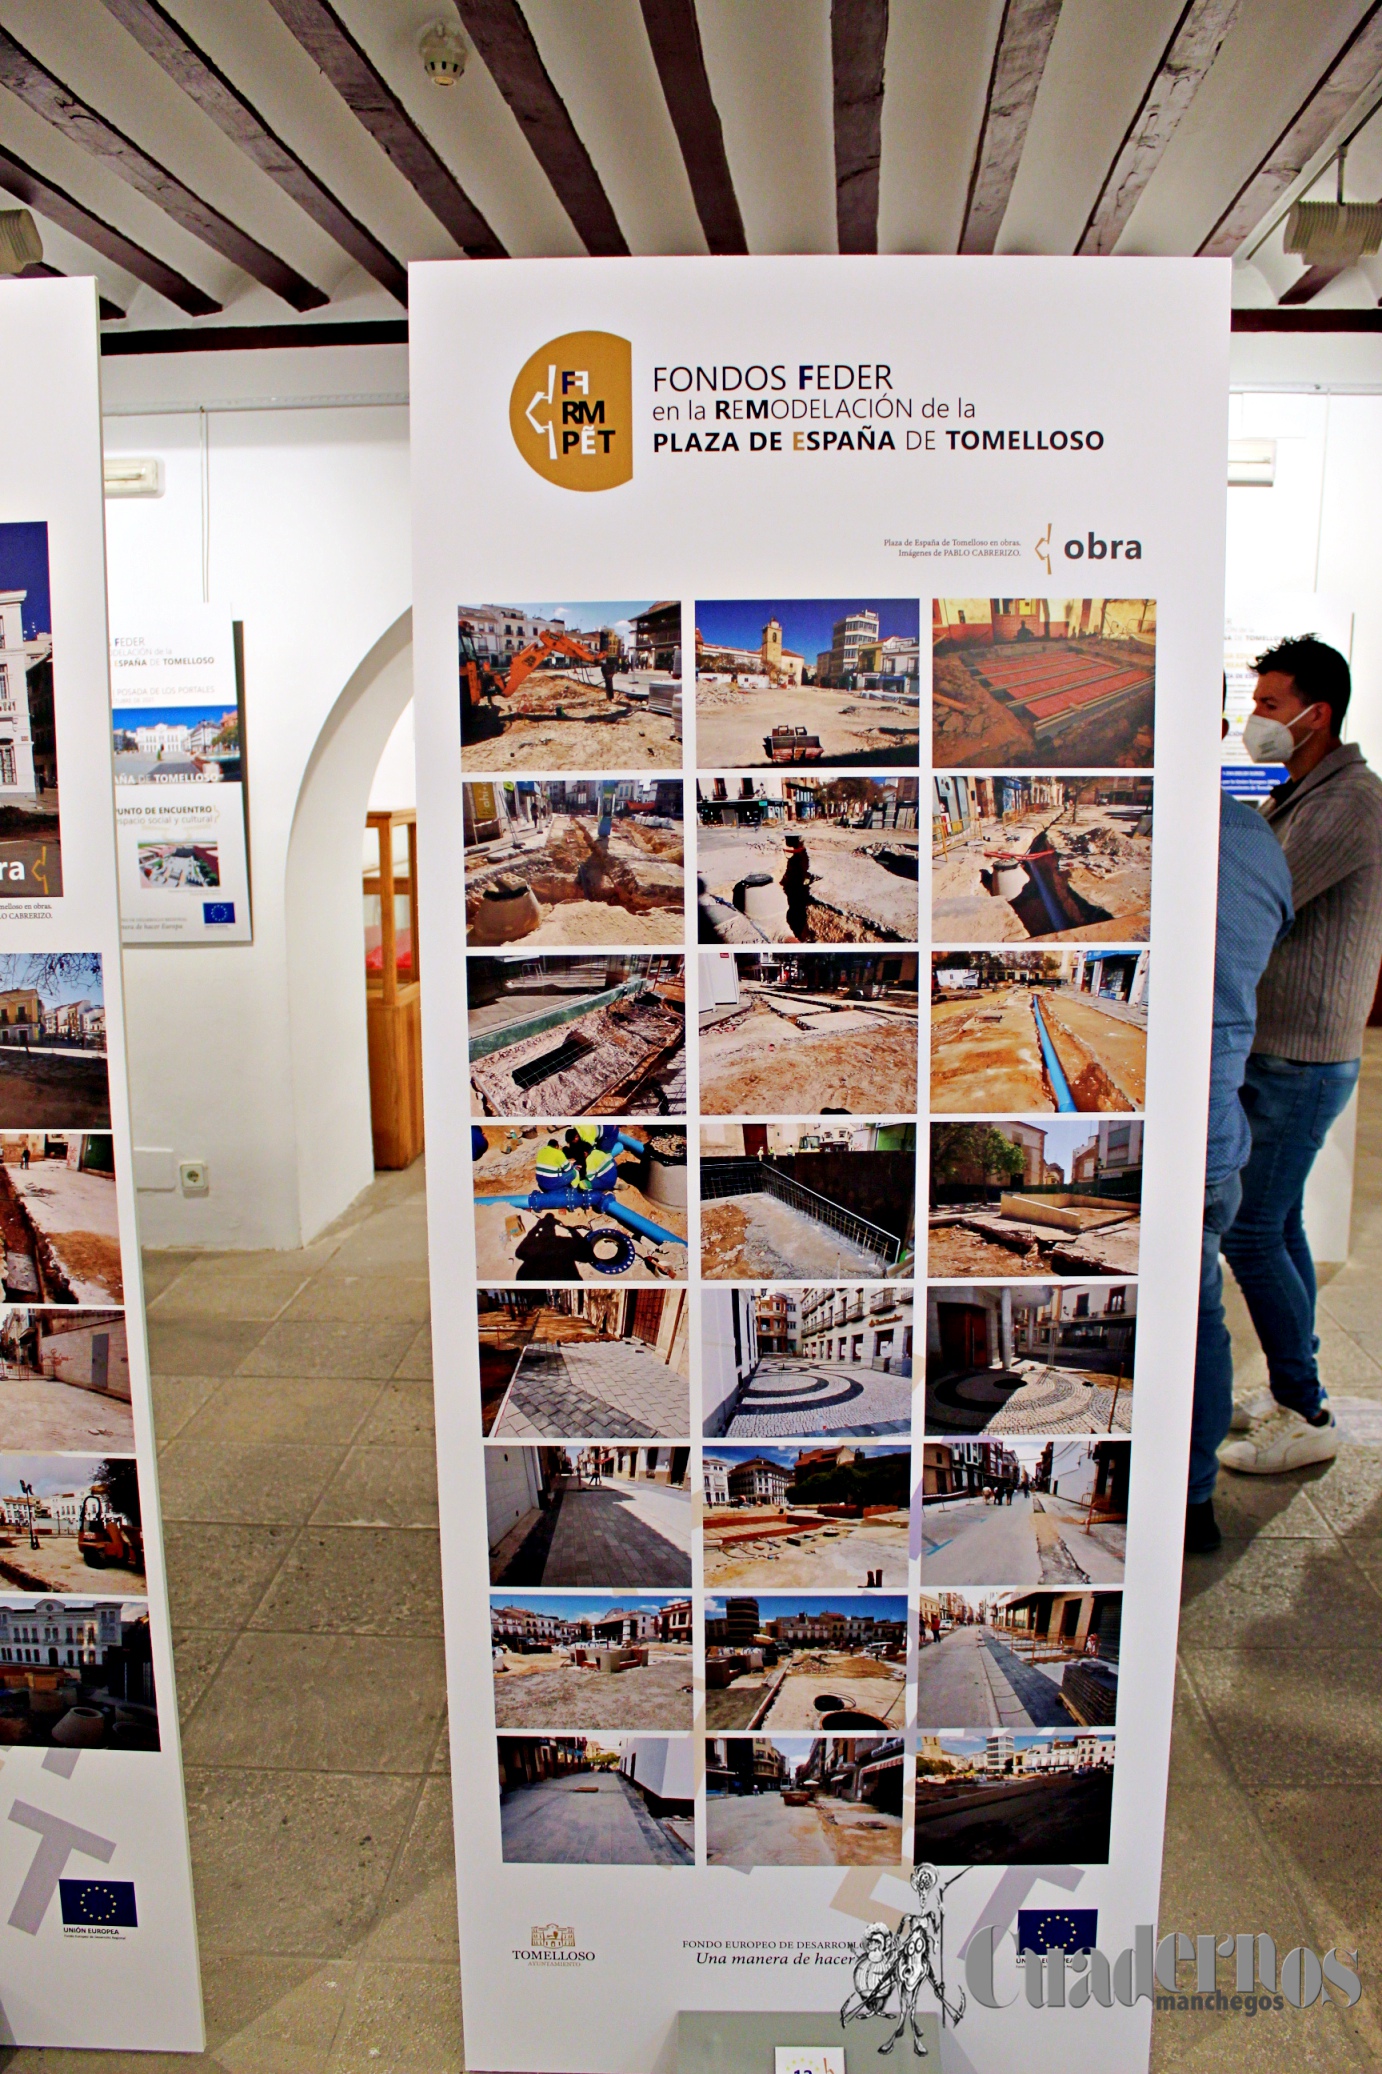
(97, 1930)
(1137, 351)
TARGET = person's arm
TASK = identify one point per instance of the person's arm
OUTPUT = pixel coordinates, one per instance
(1323, 848)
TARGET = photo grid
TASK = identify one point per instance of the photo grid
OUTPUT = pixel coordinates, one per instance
(784, 1573)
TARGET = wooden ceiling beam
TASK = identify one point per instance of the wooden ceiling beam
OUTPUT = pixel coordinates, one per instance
(37, 192)
(318, 28)
(189, 67)
(39, 270)
(500, 33)
(1191, 49)
(858, 42)
(1347, 77)
(675, 36)
(80, 124)
(1019, 60)
(1309, 285)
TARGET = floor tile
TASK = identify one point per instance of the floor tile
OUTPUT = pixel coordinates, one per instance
(402, 2018)
(417, 1917)
(185, 1346)
(1269, 1594)
(274, 2015)
(381, 1487)
(160, 1267)
(176, 1399)
(197, 1656)
(402, 1417)
(346, 1703)
(217, 1573)
(227, 1288)
(310, 1408)
(361, 1348)
(292, 1863)
(1274, 1506)
(1350, 1495)
(227, 1480)
(416, 1364)
(333, 1295)
(1280, 1729)
(357, 1580)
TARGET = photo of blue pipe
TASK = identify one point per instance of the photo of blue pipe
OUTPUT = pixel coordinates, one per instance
(1055, 1072)
(582, 1199)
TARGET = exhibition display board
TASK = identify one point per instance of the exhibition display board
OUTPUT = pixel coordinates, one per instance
(99, 1939)
(816, 1032)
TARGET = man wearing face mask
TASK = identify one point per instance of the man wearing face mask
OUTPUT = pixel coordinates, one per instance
(1312, 1007)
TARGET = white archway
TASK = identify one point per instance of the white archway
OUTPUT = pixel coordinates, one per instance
(325, 933)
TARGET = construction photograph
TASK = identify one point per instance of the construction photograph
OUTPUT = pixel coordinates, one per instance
(807, 680)
(573, 1661)
(59, 1224)
(583, 1363)
(597, 1800)
(810, 1663)
(93, 1689)
(1035, 1357)
(601, 1515)
(800, 858)
(71, 1523)
(1043, 683)
(572, 1036)
(803, 1800)
(785, 1363)
(822, 1518)
(1018, 1031)
(574, 861)
(805, 1202)
(586, 1202)
(53, 1041)
(1063, 859)
(1021, 1512)
(558, 687)
(808, 1033)
(65, 1381)
(1004, 1799)
(1035, 1197)
(1018, 1659)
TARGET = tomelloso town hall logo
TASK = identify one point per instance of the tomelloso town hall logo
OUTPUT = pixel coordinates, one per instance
(571, 411)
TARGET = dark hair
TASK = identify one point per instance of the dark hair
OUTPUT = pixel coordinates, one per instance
(1319, 673)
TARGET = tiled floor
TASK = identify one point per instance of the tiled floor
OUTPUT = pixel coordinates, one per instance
(299, 1489)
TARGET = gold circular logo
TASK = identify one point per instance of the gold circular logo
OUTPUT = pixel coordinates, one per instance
(571, 411)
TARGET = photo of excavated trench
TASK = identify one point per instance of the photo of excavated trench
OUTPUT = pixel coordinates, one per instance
(1024, 1032)
(569, 1036)
(58, 1218)
(808, 1215)
(1060, 860)
(1043, 683)
(1035, 1196)
(554, 863)
(860, 884)
(808, 1033)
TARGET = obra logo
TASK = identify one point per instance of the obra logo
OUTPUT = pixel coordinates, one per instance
(571, 411)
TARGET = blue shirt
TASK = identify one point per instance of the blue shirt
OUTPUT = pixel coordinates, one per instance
(1254, 913)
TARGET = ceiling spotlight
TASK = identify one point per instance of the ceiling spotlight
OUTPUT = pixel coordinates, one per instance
(20, 243)
(443, 51)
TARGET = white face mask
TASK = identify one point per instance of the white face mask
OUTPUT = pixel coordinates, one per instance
(1270, 741)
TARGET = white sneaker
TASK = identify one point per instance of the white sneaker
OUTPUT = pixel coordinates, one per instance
(1284, 1441)
(1248, 1410)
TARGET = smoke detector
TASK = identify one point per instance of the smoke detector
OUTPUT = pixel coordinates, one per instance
(443, 51)
(20, 243)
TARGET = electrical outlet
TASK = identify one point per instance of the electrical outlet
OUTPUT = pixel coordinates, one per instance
(195, 1176)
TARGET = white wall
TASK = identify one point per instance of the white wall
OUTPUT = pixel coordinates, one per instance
(253, 1058)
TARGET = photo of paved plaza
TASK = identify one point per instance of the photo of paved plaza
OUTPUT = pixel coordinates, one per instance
(781, 1363)
(803, 1800)
(576, 1663)
(1027, 1512)
(584, 1363)
(816, 1517)
(1014, 1799)
(1035, 1659)
(1035, 1357)
(597, 1800)
(596, 1515)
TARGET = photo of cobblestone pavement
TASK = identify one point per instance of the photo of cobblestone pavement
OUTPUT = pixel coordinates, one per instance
(588, 1818)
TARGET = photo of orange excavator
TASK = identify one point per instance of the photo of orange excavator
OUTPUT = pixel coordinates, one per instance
(482, 681)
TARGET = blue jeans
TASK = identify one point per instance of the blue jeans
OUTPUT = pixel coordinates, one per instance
(1209, 1420)
(1290, 1106)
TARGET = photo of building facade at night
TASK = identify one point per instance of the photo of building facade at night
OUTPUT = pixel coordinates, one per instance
(1036, 684)
(803, 1800)
(829, 1359)
(1035, 1196)
(1016, 1032)
(1005, 1798)
(597, 1800)
(77, 1673)
(1035, 1357)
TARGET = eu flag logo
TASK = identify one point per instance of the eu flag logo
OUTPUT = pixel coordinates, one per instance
(99, 1904)
(218, 911)
(1057, 1929)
